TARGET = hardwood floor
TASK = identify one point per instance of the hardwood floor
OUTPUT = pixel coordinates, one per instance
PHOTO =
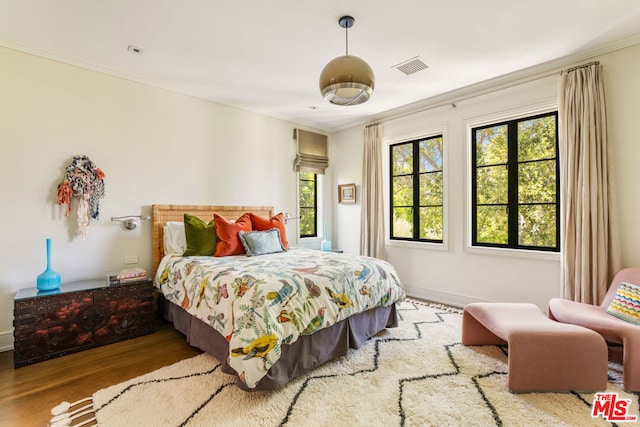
(28, 393)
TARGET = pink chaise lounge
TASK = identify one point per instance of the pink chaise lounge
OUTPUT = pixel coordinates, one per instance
(543, 355)
(612, 329)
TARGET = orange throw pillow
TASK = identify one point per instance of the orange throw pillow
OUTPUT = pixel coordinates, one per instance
(228, 241)
(262, 224)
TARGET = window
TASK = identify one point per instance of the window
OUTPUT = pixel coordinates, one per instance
(515, 184)
(416, 190)
(308, 204)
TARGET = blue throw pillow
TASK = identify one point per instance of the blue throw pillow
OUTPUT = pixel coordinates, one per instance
(261, 242)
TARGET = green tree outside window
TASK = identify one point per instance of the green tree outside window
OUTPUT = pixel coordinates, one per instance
(308, 204)
(416, 190)
(515, 183)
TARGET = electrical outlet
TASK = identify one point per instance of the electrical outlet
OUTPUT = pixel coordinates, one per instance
(131, 259)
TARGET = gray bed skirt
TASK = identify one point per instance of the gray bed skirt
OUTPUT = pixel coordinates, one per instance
(305, 354)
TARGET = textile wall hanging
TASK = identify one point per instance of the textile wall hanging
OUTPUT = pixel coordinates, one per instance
(84, 180)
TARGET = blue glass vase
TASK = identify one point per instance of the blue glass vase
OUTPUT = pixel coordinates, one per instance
(48, 280)
(325, 245)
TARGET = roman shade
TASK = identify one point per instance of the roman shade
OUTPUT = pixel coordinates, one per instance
(313, 153)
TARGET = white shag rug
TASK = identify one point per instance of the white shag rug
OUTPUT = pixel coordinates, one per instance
(415, 375)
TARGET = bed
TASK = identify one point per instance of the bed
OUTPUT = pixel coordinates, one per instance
(273, 317)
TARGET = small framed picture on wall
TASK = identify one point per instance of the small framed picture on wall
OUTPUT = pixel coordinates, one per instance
(347, 193)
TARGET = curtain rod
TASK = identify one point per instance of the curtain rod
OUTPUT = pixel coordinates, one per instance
(453, 103)
(372, 124)
(588, 64)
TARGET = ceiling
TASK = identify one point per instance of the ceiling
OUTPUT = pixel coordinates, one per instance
(266, 56)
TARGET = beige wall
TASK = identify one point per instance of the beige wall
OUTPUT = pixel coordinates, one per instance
(155, 146)
(457, 274)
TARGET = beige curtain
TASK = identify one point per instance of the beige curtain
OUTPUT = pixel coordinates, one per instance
(372, 201)
(589, 242)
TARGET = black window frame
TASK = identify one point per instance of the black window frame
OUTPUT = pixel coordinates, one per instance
(416, 190)
(313, 208)
(512, 179)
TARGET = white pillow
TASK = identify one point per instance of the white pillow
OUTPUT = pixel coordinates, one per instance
(175, 240)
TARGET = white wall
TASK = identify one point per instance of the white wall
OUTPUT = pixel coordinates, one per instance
(622, 89)
(454, 273)
(346, 168)
(155, 147)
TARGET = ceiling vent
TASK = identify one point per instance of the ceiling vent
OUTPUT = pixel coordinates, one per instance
(411, 66)
(135, 49)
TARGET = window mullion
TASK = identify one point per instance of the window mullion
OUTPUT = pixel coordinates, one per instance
(474, 189)
(315, 204)
(557, 158)
(416, 190)
(512, 177)
(391, 193)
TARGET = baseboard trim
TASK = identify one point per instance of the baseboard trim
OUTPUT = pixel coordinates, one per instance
(6, 341)
(440, 297)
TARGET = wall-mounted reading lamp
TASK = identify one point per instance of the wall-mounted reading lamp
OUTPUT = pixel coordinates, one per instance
(288, 217)
(130, 222)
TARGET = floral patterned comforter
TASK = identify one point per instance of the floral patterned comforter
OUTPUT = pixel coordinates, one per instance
(260, 303)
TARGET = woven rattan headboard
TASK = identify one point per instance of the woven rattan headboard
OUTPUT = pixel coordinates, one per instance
(161, 214)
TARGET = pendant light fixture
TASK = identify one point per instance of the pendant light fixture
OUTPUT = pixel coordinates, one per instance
(347, 79)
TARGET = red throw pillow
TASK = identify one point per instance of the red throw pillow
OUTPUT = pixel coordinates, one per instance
(228, 241)
(262, 224)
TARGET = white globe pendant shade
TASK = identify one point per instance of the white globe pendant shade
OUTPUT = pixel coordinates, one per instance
(347, 79)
